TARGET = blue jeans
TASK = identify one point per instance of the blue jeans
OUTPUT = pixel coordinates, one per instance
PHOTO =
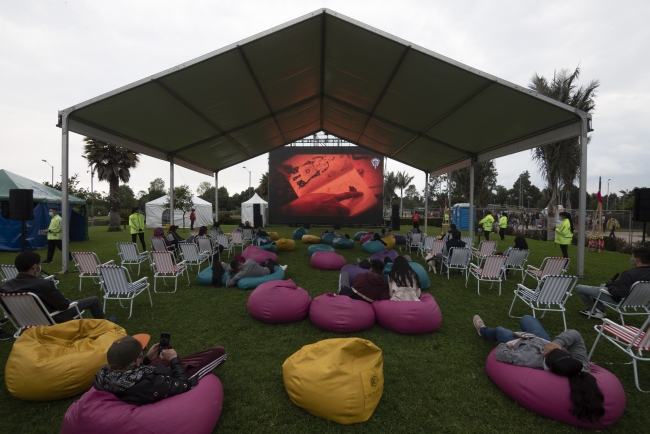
(502, 335)
(588, 296)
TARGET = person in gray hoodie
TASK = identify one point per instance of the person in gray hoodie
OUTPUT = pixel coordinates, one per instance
(566, 355)
(250, 268)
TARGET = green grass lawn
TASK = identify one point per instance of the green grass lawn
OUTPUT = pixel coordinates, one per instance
(433, 383)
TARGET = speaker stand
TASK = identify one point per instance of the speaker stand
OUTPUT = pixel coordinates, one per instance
(24, 235)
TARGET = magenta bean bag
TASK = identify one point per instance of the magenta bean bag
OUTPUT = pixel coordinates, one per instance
(259, 255)
(366, 237)
(341, 314)
(353, 270)
(388, 253)
(409, 317)
(547, 394)
(327, 261)
(400, 239)
(279, 301)
(98, 412)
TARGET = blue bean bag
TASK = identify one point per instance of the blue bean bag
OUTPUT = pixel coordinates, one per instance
(205, 277)
(254, 282)
(298, 233)
(269, 248)
(343, 243)
(373, 247)
(329, 238)
(425, 283)
(358, 235)
(257, 238)
(319, 248)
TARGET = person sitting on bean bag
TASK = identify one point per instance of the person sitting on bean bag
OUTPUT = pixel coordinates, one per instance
(250, 268)
(262, 241)
(367, 287)
(377, 237)
(566, 355)
(140, 379)
(403, 282)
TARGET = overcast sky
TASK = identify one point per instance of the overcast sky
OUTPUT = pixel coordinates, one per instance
(54, 54)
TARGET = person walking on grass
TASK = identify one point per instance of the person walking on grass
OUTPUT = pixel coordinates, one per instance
(503, 224)
(192, 219)
(136, 225)
(564, 233)
(54, 235)
(487, 222)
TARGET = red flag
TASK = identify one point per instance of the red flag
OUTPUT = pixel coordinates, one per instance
(600, 198)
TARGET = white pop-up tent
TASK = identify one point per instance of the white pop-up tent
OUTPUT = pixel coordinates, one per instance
(157, 214)
(247, 214)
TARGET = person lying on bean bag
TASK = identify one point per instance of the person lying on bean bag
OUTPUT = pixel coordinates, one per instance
(403, 282)
(140, 379)
(367, 286)
(566, 355)
(250, 268)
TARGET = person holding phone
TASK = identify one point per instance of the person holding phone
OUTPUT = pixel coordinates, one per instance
(141, 379)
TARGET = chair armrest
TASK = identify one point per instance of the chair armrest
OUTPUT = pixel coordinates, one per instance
(144, 279)
(472, 266)
(522, 287)
(474, 250)
(181, 263)
(50, 277)
(111, 262)
(529, 267)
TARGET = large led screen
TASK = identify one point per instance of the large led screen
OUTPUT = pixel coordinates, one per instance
(325, 185)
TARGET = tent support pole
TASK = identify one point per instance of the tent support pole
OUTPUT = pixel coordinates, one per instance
(216, 196)
(582, 211)
(471, 196)
(171, 190)
(65, 212)
(426, 201)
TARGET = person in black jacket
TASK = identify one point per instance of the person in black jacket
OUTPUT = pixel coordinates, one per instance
(618, 289)
(141, 379)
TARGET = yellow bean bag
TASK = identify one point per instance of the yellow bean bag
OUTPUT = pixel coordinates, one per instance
(285, 245)
(274, 236)
(60, 361)
(310, 239)
(390, 242)
(337, 379)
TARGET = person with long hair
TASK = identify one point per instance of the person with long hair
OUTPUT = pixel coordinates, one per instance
(566, 355)
(403, 282)
(520, 244)
(564, 233)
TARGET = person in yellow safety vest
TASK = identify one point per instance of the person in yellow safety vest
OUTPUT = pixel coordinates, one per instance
(136, 224)
(503, 224)
(564, 233)
(487, 222)
(54, 235)
(612, 225)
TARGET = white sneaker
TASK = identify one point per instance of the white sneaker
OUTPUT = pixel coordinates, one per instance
(478, 323)
(284, 267)
(598, 314)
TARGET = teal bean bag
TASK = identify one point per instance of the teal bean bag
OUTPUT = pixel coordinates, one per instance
(358, 235)
(298, 233)
(425, 283)
(253, 282)
(373, 247)
(343, 243)
(205, 277)
(269, 248)
(319, 248)
(256, 238)
(329, 238)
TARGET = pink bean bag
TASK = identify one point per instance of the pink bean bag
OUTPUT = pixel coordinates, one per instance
(258, 254)
(547, 394)
(389, 253)
(279, 301)
(409, 317)
(366, 237)
(341, 314)
(327, 261)
(353, 270)
(98, 412)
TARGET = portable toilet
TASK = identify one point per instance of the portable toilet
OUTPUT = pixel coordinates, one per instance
(460, 216)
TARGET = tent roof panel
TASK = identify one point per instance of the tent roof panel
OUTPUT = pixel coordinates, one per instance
(42, 193)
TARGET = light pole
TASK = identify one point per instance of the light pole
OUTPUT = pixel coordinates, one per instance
(52, 171)
(249, 182)
(528, 202)
(607, 204)
(92, 191)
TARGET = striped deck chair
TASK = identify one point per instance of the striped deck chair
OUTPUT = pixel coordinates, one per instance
(26, 310)
(516, 260)
(222, 240)
(485, 249)
(207, 246)
(550, 267)
(551, 291)
(458, 259)
(468, 240)
(248, 236)
(130, 255)
(87, 263)
(414, 242)
(159, 245)
(8, 272)
(491, 272)
(192, 255)
(238, 240)
(214, 231)
(631, 340)
(637, 301)
(429, 244)
(118, 285)
(166, 268)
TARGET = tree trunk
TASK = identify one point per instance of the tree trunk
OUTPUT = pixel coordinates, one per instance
(114, 199)
(551, 214)
(568, 198)
(401, 201)
(184, 220)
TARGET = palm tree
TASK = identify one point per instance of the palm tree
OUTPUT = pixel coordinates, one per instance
(113, 164)
(264, 186)
(559, 162)
(402, 181)
(389, 189)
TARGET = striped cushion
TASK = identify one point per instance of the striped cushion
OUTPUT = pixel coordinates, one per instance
(627, 336)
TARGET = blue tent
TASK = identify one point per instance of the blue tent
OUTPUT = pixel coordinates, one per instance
(44, 198)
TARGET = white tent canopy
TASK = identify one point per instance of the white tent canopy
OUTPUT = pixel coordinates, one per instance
(156, 208)
(247, 214)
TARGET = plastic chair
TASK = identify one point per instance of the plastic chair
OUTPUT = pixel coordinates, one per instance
(222, 240)
(87, 263)
(551, 266)
(118, 285)
(248, 235)
(468, 240)
(165, 267)
(130, 255)
(192, 255)
(631, 340)
(516, 260)
(551, 290)
(458, 259)
(491, 272)
(485, 249)
(25, 310)
(637, 299)
(238, 240)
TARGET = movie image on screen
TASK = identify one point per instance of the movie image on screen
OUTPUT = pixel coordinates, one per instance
(325, 185)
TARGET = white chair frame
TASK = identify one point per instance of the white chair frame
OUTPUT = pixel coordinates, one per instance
(551, 266)
(192, 255)
(485, 248)
(130, 255)
(492, 271)
(118, 285)
(222, 240)
(87, 263)
(460, 259)
(516, 260)
(637, 299)
(25, 310)
(166, 259)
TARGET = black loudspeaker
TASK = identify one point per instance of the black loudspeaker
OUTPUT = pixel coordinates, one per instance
(5, 210)
(641, 205)
(257, 216)
(395, 211)
(21, 204)
(337, 226)
(306, 226)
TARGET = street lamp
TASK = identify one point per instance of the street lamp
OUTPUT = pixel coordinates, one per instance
(52, 171)
(249, 182)
(607, 204)
(528, 202)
